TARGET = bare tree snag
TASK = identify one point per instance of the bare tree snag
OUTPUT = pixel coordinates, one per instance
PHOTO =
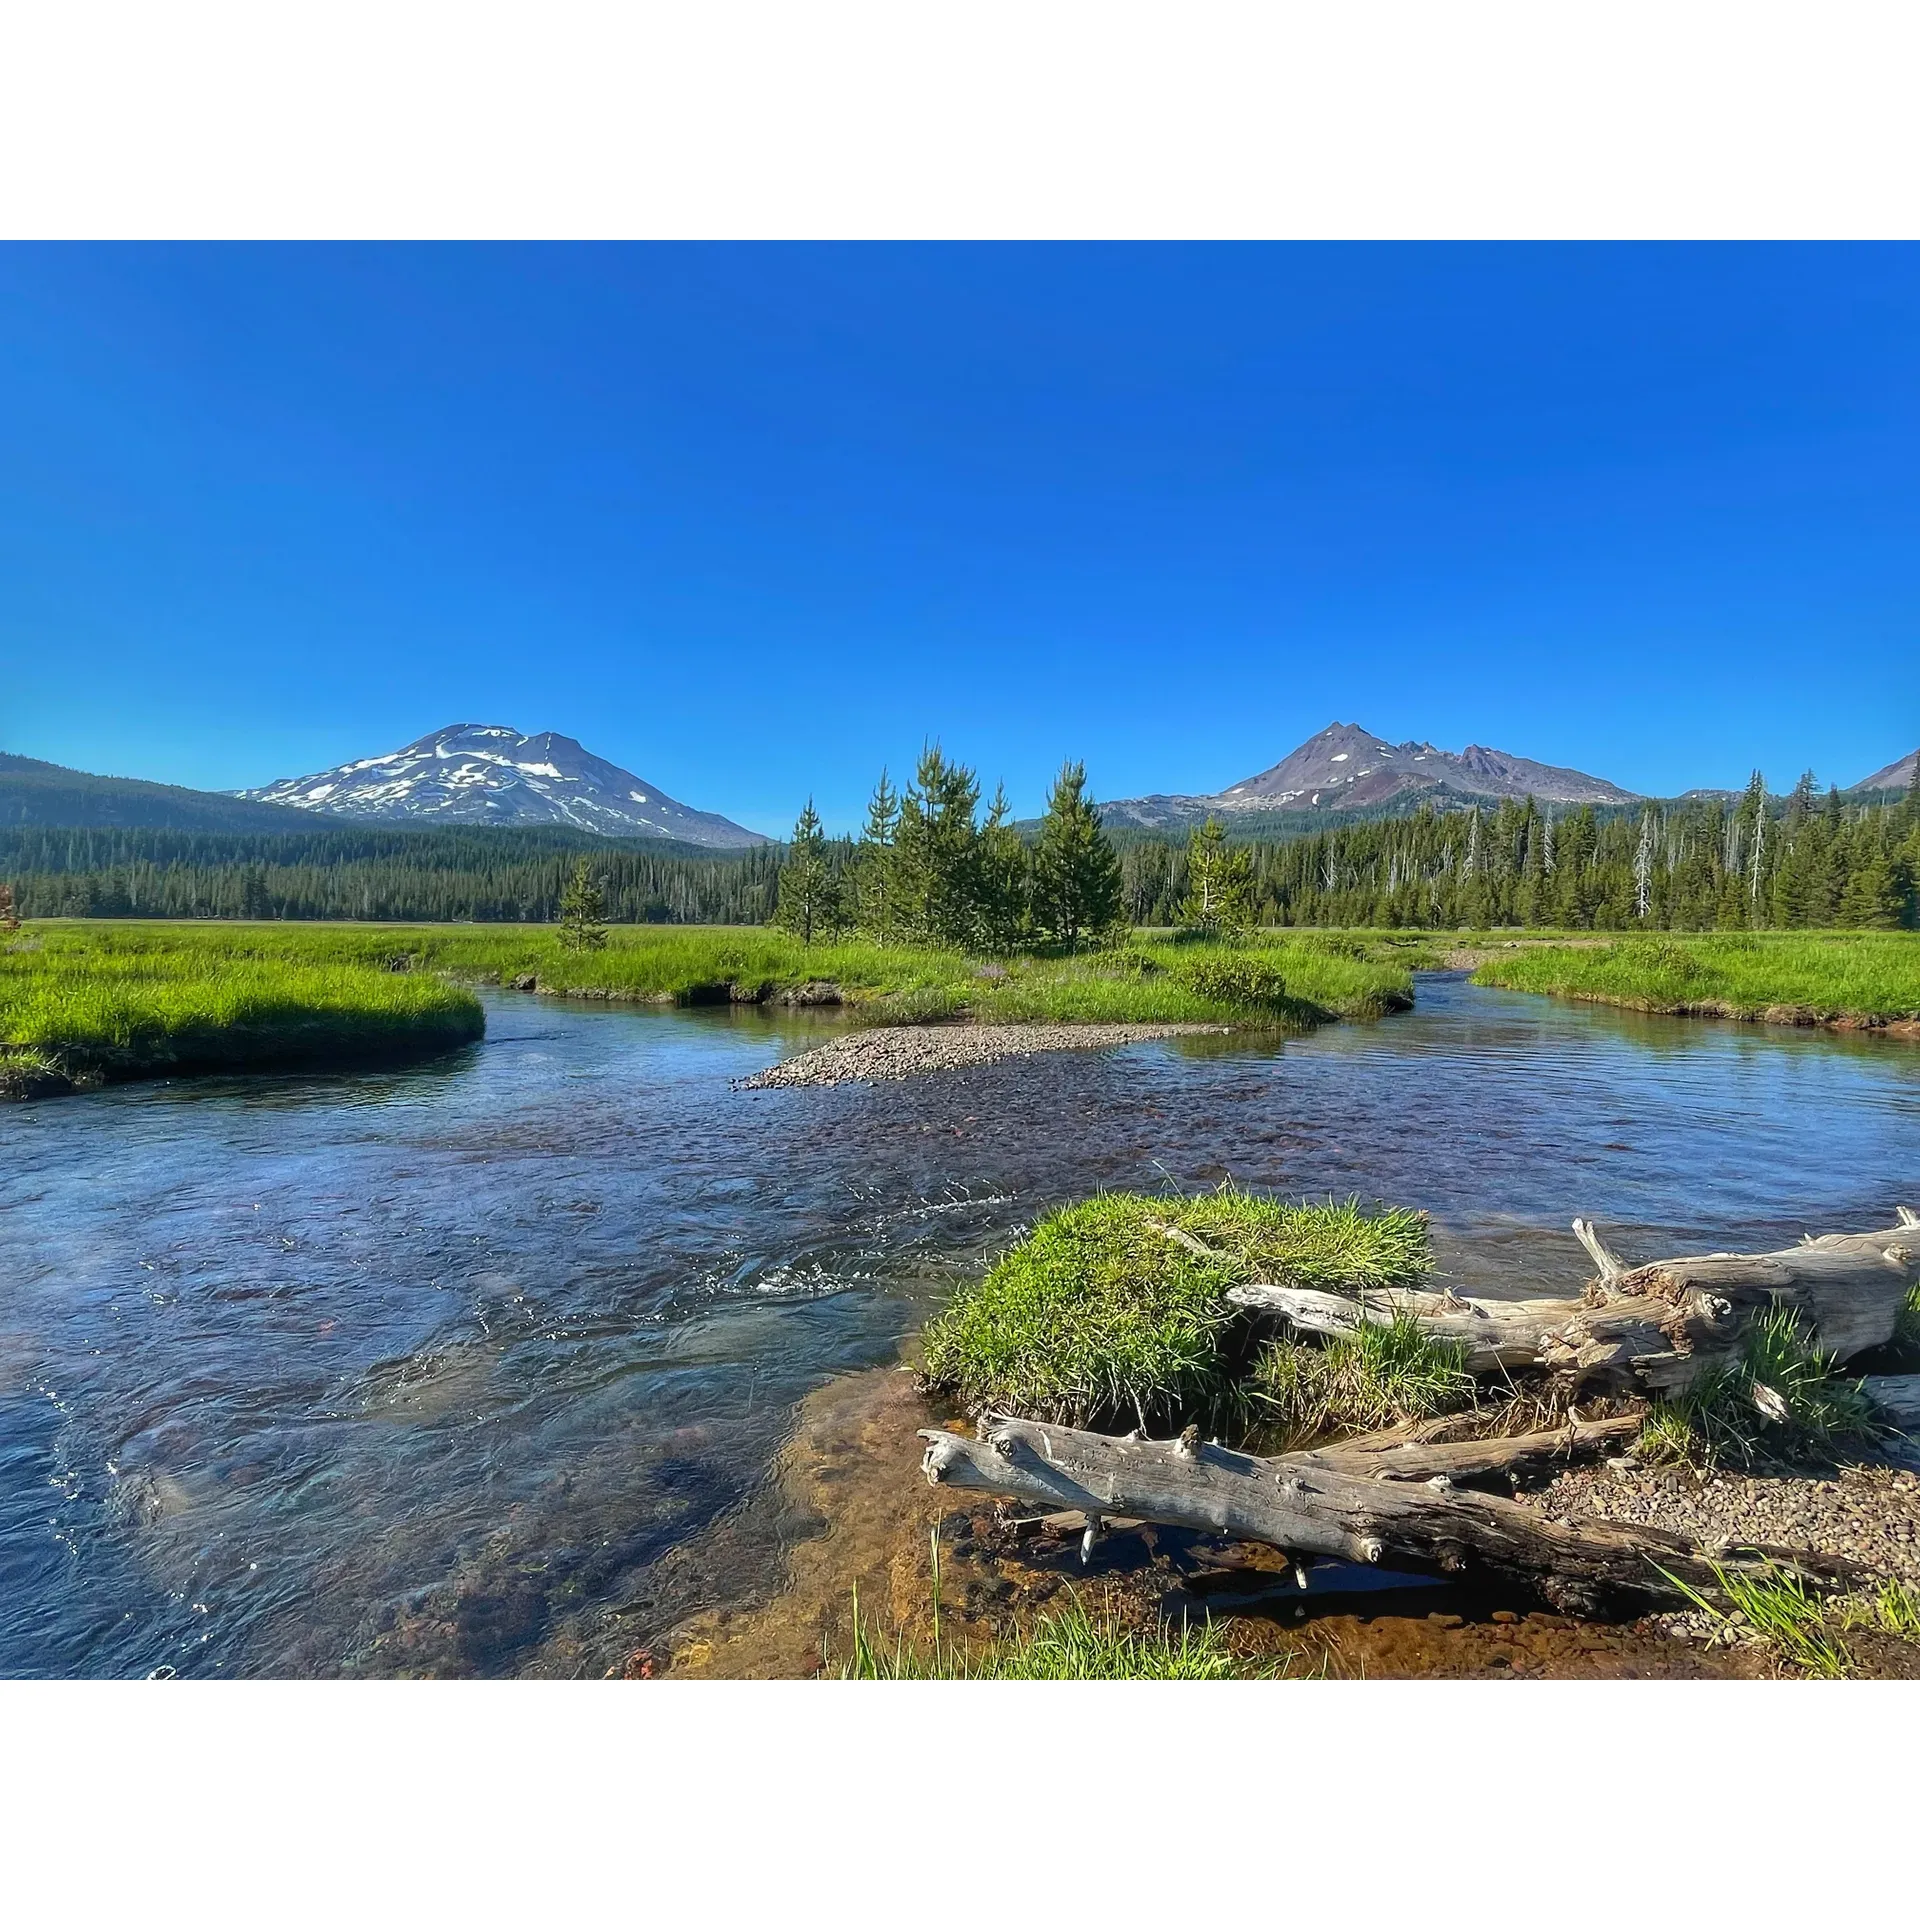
(1334, 1504)
(1646, 1329)
(1611, 1266)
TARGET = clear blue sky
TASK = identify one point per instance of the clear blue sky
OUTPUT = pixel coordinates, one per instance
(753, 521)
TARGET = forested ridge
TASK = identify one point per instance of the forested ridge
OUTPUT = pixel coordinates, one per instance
(1758, 861)
(1803, 860)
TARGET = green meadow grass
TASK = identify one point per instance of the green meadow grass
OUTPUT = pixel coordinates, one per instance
(1287, 983)
(73, 1013)
(1098, 1316)
(1825, 976)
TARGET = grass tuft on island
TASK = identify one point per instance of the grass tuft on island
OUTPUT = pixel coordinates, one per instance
(76, 1015)
(1867, 980)
(1115, 1309)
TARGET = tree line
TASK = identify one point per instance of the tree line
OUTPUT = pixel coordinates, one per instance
(929, 865)
(1755, 861)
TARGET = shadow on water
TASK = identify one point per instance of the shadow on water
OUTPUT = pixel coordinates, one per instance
(457, 1368)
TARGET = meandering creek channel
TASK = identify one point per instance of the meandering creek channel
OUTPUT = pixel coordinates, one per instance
(479, 1367)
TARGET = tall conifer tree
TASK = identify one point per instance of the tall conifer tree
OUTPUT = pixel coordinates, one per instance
(1076, 881)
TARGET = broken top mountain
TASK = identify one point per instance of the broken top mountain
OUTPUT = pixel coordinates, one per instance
(494, 776)
(1345, 769)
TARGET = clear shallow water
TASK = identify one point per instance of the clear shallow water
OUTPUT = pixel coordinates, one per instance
(475, 1367)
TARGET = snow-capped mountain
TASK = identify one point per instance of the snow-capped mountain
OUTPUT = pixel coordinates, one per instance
(1345, 769)
(493, 776)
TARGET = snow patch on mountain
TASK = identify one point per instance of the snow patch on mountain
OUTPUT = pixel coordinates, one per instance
(494, 776)
(1344, 768)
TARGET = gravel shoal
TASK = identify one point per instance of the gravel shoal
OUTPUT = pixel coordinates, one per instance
(899, 1053)
(1866, 1512)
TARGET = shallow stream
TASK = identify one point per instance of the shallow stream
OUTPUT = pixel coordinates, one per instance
(479, 1367)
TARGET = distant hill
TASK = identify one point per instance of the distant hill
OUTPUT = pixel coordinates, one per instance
(471, 775)
(1891, 779)
(1345, 770)
(36, 793)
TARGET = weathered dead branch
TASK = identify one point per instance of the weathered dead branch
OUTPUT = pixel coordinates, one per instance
(1343, 1504)
(1646, 1329)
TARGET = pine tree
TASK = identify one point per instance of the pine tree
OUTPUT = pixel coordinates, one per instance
(876, 885)
(936, 853)
(583, 910)
(1004, 917)
(1076, 879)
(1219, 882)
(810, 900)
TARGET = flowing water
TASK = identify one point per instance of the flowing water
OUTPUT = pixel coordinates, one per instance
(479, 1367)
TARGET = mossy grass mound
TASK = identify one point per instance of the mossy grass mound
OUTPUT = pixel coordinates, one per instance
(1114, 1310)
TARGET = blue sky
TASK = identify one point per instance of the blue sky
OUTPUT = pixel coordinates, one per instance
(753, 521)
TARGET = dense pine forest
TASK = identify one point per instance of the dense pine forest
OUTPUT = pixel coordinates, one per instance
(1684, 866)
(354, 873)
(930, 867)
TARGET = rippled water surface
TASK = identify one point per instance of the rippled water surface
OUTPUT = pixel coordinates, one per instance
(477, 1367)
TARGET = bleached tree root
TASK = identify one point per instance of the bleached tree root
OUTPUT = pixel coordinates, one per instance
(1647, 1329)
(1351, 1502)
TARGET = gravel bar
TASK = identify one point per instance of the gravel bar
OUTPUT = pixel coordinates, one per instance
(1866, 1512)
(899, 1053)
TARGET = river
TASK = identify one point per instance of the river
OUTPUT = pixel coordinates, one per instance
(478, 1367)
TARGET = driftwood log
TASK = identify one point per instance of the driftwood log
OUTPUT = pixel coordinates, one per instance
(1410, 1499)
(1642, 1330)
(1357, 1503)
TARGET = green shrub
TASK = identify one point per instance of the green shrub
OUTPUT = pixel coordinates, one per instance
(1240, 976)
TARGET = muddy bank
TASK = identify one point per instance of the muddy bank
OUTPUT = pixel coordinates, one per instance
(899, 1053)
(852, 1470)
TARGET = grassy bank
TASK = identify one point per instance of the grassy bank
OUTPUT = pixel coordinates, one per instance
(74, 1013)
(1115, 1310)
(1291, 983)
(1866, 979)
